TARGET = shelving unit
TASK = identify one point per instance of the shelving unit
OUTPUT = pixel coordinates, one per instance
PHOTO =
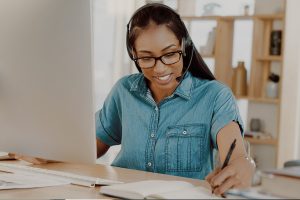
(273, 142)
(260, 100)
(259, 105)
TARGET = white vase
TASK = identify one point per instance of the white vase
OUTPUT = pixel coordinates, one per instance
(272, 89)
(186, 7)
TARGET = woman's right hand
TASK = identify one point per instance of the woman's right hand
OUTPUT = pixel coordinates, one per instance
(33, 160)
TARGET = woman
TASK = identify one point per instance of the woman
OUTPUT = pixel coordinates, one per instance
(172, 115)
(169, 117)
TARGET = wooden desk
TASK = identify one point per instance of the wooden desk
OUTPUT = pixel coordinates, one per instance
(74, 191)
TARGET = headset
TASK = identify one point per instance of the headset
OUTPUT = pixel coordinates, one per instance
(187, 42)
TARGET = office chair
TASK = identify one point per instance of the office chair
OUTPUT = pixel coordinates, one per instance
(292, 163)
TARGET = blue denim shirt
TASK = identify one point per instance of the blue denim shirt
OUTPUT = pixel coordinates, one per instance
(176, 136)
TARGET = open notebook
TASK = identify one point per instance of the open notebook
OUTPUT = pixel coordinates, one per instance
(158, 189)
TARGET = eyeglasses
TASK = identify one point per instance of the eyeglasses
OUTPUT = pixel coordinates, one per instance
(167, 59)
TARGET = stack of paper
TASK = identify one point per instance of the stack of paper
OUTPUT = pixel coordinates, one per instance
(13, 181)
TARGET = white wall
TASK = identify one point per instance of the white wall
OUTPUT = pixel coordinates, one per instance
(290, 107)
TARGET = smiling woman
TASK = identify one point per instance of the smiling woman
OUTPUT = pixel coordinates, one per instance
(139, 112)
(161, 71)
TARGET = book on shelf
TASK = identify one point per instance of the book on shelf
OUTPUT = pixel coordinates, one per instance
(209, 48)
(283, 182)
(158, 189)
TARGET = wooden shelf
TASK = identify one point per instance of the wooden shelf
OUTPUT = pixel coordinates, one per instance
(215, 17)
(207, 56)
(269, 58)
(261, 141)
(264, 100)
(260, 100)
(270, 17)
(235, 17)
(240, 17)
(191, 18)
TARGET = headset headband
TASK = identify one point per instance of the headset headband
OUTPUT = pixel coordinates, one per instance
(186, 40)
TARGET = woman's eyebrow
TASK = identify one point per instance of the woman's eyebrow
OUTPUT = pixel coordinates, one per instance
(166, 48)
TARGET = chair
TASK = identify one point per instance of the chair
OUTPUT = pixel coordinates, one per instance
(292, 163)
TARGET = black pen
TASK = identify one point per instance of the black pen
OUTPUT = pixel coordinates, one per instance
(232, 146)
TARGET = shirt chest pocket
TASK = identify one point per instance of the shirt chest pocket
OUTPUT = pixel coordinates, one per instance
(184, 147)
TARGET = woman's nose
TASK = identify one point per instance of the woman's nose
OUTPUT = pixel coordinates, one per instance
(159, 67)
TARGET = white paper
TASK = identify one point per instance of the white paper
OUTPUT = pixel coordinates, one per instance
(13, 181)
(57, 175)
(4, 156)
(187, 193)
(3, 153)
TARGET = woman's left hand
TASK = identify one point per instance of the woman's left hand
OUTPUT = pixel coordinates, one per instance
(237, 174)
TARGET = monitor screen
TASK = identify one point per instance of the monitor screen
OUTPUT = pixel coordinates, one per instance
(46, 79)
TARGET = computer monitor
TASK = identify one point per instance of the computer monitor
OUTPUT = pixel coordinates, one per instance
(46, 79)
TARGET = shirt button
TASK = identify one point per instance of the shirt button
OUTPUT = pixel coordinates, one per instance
(184, 132)
(152, 135)
(149, 164)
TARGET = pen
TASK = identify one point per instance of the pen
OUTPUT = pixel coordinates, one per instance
(232, 146)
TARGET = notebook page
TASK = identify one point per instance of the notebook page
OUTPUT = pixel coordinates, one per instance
(187, 193)
(144, 188)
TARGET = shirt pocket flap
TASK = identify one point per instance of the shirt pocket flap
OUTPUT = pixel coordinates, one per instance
(189, 130)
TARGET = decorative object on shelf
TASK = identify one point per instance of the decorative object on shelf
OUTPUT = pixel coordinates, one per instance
(275, 42)
(246, 10)
(265, 7)
(209, 9)
(209, 48)
(272, 86)
(239, 82)
(262, 135)
(255, 125)
(186, 8)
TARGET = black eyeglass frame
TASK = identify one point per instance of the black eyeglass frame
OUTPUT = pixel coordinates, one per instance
(158, 58)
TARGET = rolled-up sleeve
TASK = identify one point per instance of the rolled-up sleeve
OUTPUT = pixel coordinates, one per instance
(225, 111)
(108, 120)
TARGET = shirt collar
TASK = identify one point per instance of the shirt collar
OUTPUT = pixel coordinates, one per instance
(139, 84)
(184, 89)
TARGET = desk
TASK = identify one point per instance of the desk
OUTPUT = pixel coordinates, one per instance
(96, 170)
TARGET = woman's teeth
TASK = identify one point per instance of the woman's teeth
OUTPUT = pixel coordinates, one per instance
(164, 78)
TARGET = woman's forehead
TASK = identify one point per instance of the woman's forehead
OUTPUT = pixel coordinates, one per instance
(155, 36)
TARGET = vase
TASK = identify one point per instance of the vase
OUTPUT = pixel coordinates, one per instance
(240, 80)
(272, 90)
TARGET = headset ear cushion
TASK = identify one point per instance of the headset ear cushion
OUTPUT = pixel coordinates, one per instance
(183, 44)
(137, 66)
(187, 44)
